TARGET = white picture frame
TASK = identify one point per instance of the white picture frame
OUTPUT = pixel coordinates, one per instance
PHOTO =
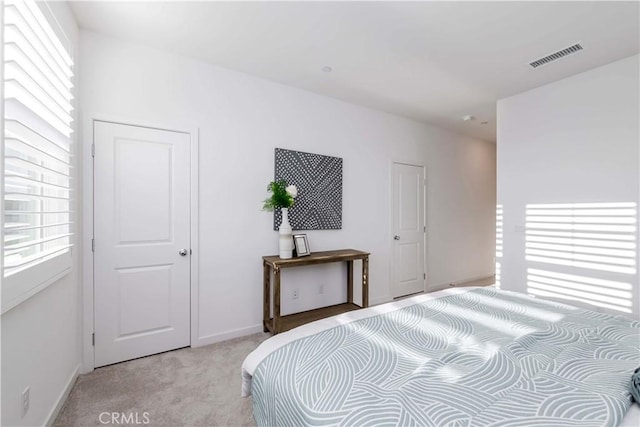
(301, 243)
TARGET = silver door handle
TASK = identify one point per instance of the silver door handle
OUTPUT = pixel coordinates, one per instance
(183, 252)
(396, 237)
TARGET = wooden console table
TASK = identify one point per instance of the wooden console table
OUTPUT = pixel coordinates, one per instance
(280, 323)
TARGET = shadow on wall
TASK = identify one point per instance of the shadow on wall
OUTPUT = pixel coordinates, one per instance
(582, 252)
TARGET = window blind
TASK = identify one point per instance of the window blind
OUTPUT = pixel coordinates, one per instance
(37, 223)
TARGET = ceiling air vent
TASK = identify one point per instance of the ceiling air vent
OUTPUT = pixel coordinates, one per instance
(556, 55)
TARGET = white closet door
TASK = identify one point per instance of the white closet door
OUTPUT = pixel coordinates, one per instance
(142, 241)
(408, 230)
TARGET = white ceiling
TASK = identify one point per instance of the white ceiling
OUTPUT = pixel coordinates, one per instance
(430, 61)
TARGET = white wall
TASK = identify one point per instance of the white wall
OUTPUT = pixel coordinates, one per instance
(572, 141)
(241, 120)
(41, 336)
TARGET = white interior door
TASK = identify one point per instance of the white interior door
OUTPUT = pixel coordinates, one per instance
(408, 230)
(142, 241)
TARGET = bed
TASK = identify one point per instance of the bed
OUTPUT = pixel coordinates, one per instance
(459, 357)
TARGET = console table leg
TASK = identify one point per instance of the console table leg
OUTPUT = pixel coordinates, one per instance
(350, 282)
(365, 282)
(266, 296)
(276, 300)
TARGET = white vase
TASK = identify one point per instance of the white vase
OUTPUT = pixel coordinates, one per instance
(286, 238)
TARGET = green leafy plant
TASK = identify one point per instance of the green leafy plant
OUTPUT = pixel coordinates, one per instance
(282, 196)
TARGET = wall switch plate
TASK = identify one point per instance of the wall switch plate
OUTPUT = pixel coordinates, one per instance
(295, 293)
(321, 289)
(25, 401)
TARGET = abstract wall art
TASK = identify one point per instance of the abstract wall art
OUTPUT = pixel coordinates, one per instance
(318, 205)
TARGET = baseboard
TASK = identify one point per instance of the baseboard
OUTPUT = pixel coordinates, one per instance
(62, 398)
(381, 300)
(473, 281)
(224, 336)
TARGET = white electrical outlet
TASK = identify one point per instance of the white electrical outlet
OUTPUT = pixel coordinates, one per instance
(321, 289)
(295, 293)
(25, 401)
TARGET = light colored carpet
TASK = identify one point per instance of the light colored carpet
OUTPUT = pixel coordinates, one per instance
(186, 387)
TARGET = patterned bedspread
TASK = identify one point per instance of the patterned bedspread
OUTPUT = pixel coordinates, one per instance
(481, 358)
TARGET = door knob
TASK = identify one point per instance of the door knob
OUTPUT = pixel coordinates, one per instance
(396, 237)
(183, 252)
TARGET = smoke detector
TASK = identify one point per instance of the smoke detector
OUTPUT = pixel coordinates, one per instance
(556, 55)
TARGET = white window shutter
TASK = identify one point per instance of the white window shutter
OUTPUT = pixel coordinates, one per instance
(38, 126)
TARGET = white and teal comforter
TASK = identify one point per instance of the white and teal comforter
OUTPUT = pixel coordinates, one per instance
(478, 357)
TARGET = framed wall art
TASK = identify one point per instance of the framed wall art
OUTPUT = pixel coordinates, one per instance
(318, 178)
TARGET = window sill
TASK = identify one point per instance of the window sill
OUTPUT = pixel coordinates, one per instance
(14, 288)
